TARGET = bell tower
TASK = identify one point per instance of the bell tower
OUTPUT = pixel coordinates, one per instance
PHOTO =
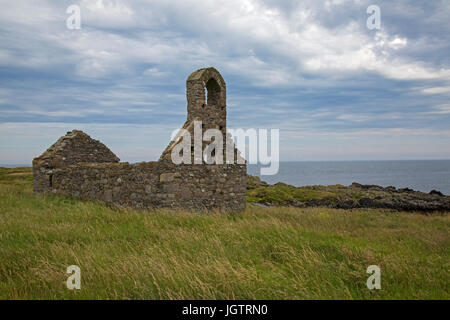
(206, 99)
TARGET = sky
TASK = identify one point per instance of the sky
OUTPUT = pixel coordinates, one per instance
(335, 89)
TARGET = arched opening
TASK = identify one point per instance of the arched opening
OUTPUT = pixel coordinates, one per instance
(212, 92)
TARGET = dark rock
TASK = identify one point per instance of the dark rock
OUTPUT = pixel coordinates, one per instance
(436, 192)
(347, 204)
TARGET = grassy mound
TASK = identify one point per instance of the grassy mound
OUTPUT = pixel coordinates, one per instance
(274, 253)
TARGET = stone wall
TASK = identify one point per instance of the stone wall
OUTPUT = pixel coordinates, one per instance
(73, 148)
(156, 185)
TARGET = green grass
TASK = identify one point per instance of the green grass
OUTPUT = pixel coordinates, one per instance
(275, 253)
(279, 194)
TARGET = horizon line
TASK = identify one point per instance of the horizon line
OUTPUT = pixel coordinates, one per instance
(282, 161)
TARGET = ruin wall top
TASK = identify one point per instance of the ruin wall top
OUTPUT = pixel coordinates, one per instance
(75, 147)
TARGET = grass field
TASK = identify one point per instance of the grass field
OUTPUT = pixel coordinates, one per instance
(274, 253)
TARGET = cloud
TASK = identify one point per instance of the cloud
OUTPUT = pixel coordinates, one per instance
(441, 109)
(108, 14)
(437, 90)
(295, 65)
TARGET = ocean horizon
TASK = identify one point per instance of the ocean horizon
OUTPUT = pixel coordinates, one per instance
(420, 175)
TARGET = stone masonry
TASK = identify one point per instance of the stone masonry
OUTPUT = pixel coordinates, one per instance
(85, 168)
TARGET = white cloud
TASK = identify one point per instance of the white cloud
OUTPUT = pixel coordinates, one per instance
(368, 117)
(107, 13)
(191, 31)
(437, 90)
(440, 109)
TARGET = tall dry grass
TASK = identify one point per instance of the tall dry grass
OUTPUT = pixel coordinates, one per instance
(276, 253)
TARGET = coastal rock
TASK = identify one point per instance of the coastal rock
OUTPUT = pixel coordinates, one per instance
(354, 196)
(436, 193)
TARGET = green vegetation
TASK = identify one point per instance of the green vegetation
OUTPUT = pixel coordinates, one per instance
(17, 176)
(281, 193)
(274, 253)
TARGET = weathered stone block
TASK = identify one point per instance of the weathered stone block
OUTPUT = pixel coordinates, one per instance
(167, 177)
(108, 196)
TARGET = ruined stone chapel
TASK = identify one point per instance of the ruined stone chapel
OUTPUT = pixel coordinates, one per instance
(82, 167)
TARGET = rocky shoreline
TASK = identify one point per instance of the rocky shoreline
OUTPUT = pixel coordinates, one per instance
(345, 197)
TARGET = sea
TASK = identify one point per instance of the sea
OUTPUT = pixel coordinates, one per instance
(420, 175)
